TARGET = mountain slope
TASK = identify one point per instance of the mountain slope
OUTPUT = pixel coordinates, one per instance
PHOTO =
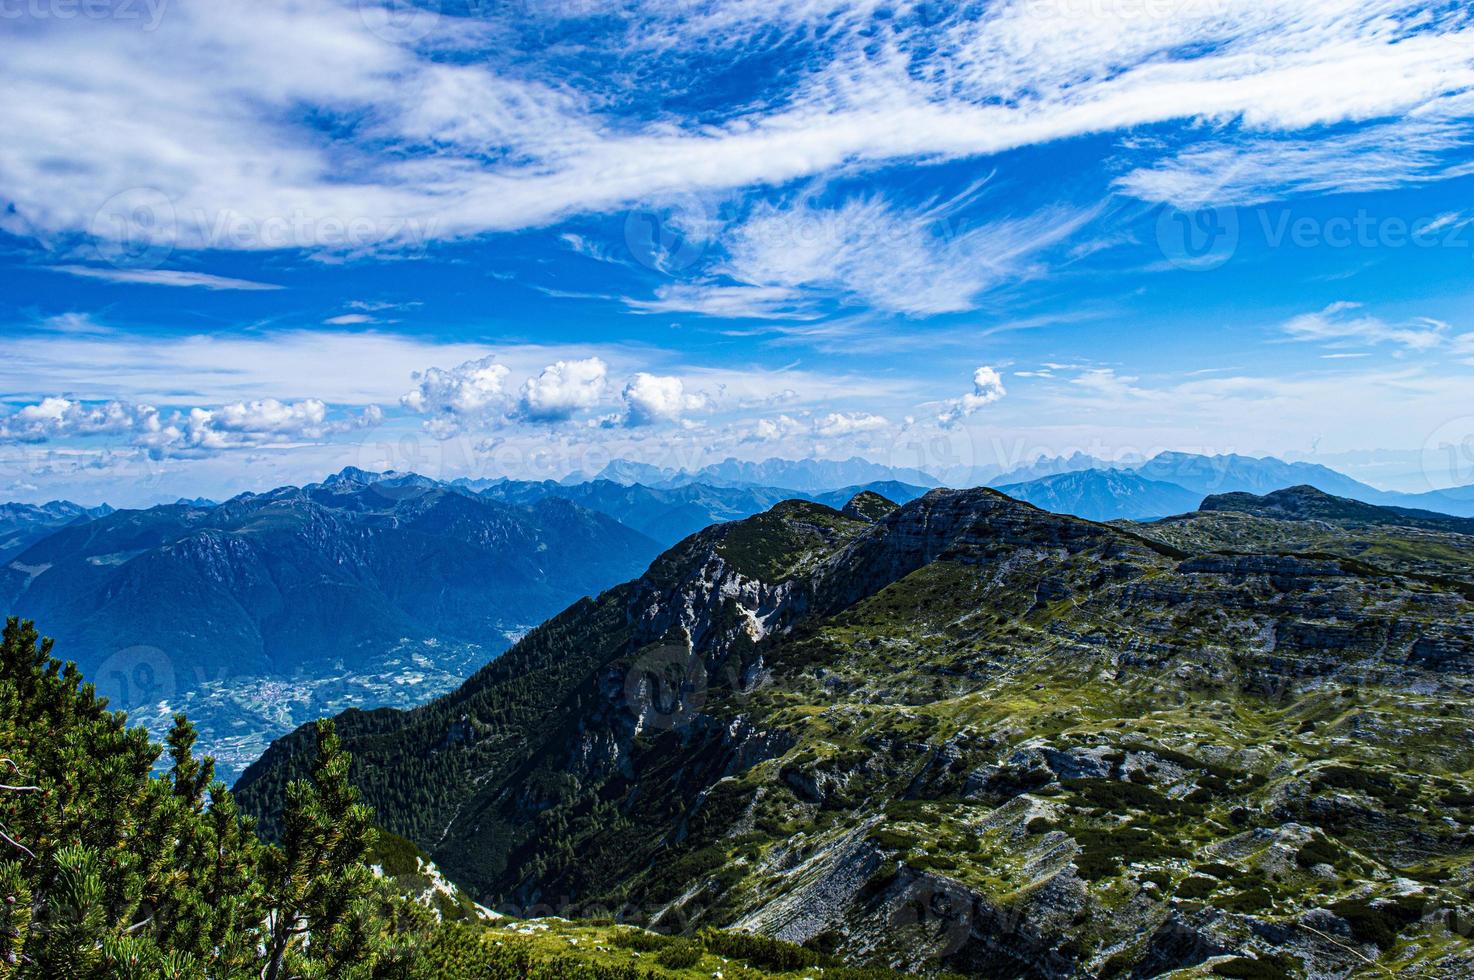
(1103, 495)
(969, 734)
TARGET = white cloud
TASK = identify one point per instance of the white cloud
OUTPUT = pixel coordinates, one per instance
(707, 299)
(651, 398)
(196, 432)
(163, 277)
(838, 425)
(987, 388)
(563, 389)
(914, 260)
(470, 394)
(348, 319)
(1258, 169)
(55, 417)
(775, 429)
(1343, 324)
(224, 135)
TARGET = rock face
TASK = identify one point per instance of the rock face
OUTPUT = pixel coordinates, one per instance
(966, 734)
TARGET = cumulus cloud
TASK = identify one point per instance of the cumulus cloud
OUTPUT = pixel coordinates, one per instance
(651, 398)
(563, 389)
(837, 425)
(774, 429)
(53, 418)
(468, 394)
(180, 433)
(987, 388)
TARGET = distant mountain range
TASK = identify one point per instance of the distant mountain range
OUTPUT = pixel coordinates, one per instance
(668, 514)
(22, 525)
(298, 580)
(808, 476)
(1103, 495)
(1174, 483)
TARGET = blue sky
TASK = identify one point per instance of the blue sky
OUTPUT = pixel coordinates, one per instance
(246, 244)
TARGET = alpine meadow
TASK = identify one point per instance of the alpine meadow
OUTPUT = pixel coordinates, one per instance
(736, 490)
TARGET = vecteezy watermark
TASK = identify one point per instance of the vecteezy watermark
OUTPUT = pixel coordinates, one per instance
(1197, 240)
(148, 14)
(134, 677)
(1209, 237)
(940, 911)
(400, 21)
(944, 454)
(405, 454)
(1448, 454)
(1363, 229)
(669, 238)
(665, 687)
(140, 228)
(135, 228)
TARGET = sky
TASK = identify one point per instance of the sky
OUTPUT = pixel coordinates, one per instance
(246, 244)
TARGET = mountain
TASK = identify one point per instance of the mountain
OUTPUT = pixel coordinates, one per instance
(1306, 503)
(1232, 473)
(971, 735)
(359, 590)
(1456, 500)
(1103, 495)
(668, 514)
(1043, 466)
(808, 475)
(22, 525)
(627, 472)
(664, 514)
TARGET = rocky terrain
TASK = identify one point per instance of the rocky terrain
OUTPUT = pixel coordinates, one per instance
(968, 735)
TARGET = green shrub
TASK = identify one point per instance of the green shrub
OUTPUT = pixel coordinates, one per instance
(681, 954)
(761, 951)
(1277, 967)
(1380, 922)
(1196, 887)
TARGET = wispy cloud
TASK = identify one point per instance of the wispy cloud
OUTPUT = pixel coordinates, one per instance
(1345, 324)
(736, 302)
(223, 139)
(917, 261)
(1253, 168)
(162, 277)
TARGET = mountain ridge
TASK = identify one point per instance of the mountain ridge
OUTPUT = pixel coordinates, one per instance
(803, 723)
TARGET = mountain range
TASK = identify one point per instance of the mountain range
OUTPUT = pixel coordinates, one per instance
(967, 734)
(1171, 483)
(803, 475)
(22, 525)
(668, 514)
